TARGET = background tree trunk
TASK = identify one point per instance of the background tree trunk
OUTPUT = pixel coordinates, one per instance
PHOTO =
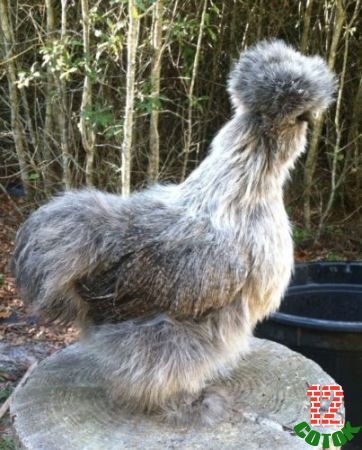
(132, 42)
(306, 26)
(157, 48)
(86, 120)
(49, 157)
(64, 109)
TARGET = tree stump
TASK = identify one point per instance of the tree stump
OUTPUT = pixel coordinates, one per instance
(62, 407)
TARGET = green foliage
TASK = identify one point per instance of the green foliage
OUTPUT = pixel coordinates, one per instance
(109, 36)
(200, 102)
(334, 256)
(25, 78)
(58, 56)
(300, 235)
(185, 28)
(211, 18)
(146, 102)
(5, 393)
(7, 443)
(144, 4)
(100, 117)
(2, 279)
(104, 121)
(34, 176)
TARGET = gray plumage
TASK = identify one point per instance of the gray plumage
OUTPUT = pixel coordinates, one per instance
(169, 283)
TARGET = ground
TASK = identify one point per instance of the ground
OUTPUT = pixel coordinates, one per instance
(23, 339)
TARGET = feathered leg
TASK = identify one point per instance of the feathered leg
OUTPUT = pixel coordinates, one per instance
(164, 366)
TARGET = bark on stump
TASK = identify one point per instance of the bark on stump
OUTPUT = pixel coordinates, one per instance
(62, 406)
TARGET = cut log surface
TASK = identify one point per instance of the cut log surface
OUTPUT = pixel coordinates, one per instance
(64, 407)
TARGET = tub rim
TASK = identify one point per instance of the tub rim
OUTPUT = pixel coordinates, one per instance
(321, 324)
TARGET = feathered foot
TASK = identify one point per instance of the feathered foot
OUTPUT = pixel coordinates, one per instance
(207, 408)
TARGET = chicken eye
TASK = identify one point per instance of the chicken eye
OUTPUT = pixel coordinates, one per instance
(306, 116)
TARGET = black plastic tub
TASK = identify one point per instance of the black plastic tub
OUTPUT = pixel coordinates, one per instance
(321, 317)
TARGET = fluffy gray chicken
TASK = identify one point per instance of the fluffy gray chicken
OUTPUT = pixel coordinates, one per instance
(168, 284)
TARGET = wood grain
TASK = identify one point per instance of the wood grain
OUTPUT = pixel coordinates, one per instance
(63, 407)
